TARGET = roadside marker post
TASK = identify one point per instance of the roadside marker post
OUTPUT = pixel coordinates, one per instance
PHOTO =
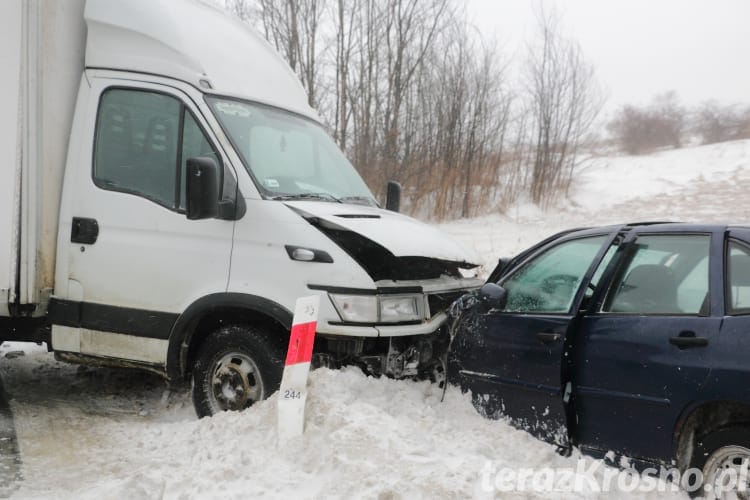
(293, 391)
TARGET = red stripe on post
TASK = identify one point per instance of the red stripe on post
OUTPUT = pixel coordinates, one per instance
(301, 343)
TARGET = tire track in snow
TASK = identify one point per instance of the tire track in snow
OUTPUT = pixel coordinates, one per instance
(10, 457)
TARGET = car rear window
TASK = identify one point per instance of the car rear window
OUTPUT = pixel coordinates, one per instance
(738, 278)
(668, 274)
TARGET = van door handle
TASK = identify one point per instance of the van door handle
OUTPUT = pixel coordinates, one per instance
(548, 337)
(84, 231)
(688, 339)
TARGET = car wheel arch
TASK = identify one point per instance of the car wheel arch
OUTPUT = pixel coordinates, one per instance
(701, 419)
(212, 311)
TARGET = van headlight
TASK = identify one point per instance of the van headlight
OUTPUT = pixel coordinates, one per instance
(397, 308)
(378, 308)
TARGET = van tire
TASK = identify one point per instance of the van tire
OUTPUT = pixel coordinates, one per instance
(235, 367)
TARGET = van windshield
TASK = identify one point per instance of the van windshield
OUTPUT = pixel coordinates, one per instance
(288, 156)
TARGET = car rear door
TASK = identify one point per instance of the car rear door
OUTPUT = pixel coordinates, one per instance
(643, 352)
(730, 369)
(512, 360)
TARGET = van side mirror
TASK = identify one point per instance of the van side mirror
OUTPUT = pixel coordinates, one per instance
(393, 196)
(493, 296)
(202, 186)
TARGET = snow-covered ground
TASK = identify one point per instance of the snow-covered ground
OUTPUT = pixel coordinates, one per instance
(101, 433)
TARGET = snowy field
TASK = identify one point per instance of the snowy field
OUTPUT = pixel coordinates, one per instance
(101, 433)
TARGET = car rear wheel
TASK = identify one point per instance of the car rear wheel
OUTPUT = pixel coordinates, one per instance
(235, 367)
(723, 457)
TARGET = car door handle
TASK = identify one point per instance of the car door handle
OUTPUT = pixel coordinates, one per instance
(84, 231)
(688, 339)
(548, 337)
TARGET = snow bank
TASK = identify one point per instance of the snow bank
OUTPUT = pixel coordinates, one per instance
(365, 438)
(612, 180)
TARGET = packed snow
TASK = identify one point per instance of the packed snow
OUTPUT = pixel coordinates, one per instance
(102, 433)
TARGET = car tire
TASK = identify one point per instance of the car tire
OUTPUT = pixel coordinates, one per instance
(235, 367)
(722, 450)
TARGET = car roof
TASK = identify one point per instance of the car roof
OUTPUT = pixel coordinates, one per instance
(640, 227)
(649, 227)
(654, 227)
(687, 227)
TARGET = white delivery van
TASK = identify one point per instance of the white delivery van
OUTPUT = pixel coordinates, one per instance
(166, 194)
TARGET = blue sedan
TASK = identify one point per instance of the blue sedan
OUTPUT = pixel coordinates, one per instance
(634, 339)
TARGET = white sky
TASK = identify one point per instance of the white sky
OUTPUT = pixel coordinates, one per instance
(700, 48)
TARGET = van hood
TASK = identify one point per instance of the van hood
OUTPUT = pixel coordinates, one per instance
(401, 235)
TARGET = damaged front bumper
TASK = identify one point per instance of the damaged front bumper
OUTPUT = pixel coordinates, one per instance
(408, 349)
(435, 296)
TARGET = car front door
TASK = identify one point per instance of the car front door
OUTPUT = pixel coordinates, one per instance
(512, 359)
(642, 353)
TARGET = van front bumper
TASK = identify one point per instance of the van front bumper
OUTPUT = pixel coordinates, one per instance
(437, 295)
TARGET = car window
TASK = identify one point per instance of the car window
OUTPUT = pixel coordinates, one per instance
(600, 270)
(738, 279)
(548, 283)
(667, 274)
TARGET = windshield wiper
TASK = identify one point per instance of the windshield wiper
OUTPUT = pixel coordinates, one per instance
(308, 196)
(359, 200)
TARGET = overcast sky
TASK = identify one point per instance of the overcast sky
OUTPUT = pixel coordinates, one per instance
(700, 48)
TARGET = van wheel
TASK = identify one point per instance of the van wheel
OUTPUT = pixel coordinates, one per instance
(723, 457)
(235, 367)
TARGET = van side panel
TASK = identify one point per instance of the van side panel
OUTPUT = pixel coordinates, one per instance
(53, 44)
(10, 54)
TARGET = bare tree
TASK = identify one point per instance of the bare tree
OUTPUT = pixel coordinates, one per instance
(671, 113)
(632, 128)
(713, 122)
(293, 26)
(455, 126)
(345, 18)
(564, 100)
(241, 8)
(410, 92)
(411, 26)
(642, 129)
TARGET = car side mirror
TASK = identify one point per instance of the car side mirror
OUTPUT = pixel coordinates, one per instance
(202, 188)
(493, 296)
(393, 196)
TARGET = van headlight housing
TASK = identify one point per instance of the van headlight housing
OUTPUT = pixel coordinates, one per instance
(379, 308)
